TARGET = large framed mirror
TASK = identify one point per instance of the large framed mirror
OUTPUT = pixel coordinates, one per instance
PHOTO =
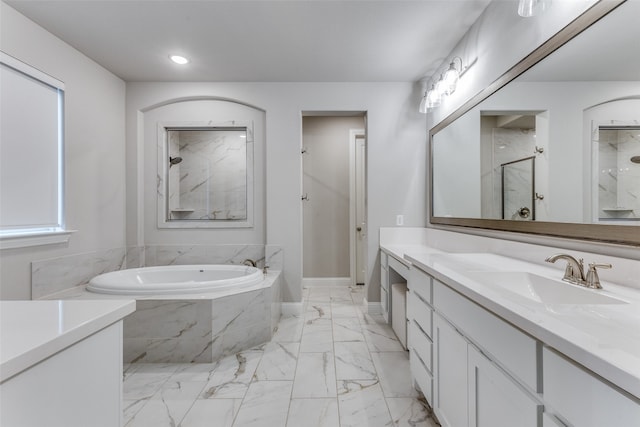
(573, 108)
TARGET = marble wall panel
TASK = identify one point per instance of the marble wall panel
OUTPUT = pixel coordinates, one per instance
(203, 254)
(57, 274)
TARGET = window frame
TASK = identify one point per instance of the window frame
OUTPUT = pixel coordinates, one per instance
(17, 237)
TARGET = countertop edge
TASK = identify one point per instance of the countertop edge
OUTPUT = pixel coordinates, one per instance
(46, 349)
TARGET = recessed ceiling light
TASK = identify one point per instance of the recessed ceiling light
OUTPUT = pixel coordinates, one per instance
(179, 59)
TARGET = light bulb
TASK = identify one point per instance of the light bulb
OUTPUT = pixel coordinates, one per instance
(181, 60)
(451, 78)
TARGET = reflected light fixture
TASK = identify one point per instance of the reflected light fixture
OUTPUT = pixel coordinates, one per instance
(178, 59)
(529, 8)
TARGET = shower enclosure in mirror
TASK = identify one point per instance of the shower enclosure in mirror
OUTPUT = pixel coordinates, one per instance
(618, 177)
(518, 189)
(205, 176)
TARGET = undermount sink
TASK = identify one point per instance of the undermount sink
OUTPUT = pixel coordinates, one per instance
(541, 289)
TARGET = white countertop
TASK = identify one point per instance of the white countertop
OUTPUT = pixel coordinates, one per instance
(604, 338)
(31, 331)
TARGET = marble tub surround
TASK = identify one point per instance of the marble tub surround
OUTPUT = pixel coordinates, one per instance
(283, 384)
(203, 254)
(53, 275)
(197, 328)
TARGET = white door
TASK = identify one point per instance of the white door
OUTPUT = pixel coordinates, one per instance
(361, 214)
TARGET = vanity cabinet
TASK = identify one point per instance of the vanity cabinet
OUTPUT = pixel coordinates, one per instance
(450, 380)
(420, 331)
(581, 398)
(477, 369)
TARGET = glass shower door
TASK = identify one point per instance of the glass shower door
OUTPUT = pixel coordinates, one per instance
(518, 190)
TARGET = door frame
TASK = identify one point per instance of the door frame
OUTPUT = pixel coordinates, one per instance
(354, 136)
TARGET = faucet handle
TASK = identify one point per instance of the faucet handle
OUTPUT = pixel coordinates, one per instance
(593, 280)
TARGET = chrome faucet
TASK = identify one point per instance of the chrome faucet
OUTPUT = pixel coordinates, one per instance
(574, 273)
(249, 263)
(593, 280)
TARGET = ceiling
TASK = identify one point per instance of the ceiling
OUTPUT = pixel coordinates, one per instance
(260, 41)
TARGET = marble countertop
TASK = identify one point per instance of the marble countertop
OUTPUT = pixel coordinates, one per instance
(604, 338)
(31, 331)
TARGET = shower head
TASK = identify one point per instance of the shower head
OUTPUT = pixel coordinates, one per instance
(635, 159)
(174, 160)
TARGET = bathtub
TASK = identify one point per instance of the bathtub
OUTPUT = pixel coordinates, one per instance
(176, 280)
(192, 313)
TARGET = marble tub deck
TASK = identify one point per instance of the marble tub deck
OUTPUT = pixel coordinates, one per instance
(334, 366)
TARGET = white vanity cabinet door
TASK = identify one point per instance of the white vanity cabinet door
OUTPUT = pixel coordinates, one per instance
(495, 399)
(449, 375)
(583, 399)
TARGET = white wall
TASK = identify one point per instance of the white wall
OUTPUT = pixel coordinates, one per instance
(498, 40)
(396, 156)
(94, 149)
(326, 227)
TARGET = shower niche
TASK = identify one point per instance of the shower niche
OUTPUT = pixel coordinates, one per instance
(618, 172)
(205, 176)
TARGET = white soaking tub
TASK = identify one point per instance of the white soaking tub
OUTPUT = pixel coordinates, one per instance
(176, 280)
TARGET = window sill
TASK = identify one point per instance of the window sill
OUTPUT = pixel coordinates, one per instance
(35, 239)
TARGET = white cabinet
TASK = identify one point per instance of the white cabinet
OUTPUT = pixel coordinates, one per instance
(495, 399)
(482, 370)
(450, 375)
(420, 331)
(78, 386)
(583, 399)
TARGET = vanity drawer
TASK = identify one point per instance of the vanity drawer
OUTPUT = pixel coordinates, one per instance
(419, 311)
(398, 267)
(422, 284)
(582, 398)
(421, 376)
(503, 343)
(421, 344)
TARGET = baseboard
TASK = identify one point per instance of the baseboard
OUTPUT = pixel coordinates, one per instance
(291, 309)
(373, 307)
(309, 282)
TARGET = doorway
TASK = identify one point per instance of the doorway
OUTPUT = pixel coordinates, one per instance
(333, 199)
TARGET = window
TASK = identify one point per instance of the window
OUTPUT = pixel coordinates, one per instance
(31, 156)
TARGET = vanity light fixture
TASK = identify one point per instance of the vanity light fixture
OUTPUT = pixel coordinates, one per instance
(451, 76)
(433, 98)
(529, 8)
(423, 103)
(178, 59)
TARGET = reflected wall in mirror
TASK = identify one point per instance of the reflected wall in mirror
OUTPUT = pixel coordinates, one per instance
(576, 112)
(208, 176)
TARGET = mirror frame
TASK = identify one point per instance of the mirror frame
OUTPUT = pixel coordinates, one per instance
(618, 234)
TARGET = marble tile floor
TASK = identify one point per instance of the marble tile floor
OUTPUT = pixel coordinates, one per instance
(333, 366)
